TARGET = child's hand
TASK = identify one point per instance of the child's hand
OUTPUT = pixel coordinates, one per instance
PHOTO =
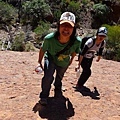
(77, 68)
(38, 69)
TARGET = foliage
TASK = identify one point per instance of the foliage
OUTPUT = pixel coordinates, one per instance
(66, 5)
(42, 28)
(73, 6)
(18, 43)
(85, 2)
(101, 13)
(57, 14)
(113, 42)
(29, 47)
(34, 11)
(8, 13)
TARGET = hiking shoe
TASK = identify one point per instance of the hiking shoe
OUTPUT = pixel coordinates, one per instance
(82, 88)
(43, 101)
(79, 87)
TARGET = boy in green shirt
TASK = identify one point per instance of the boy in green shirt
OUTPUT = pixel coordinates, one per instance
(56, 57)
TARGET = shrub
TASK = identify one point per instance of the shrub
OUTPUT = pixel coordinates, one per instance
(85, 2)
(43, 28)
(18, 43)
(66, 5)
(74, 6)
(8, 13)
(29, 47)
(57, 14)
(101, 14)
(113, 42)
(34, 11)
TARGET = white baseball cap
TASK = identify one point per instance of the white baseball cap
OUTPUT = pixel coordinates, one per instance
(102, 31)
(68, 17)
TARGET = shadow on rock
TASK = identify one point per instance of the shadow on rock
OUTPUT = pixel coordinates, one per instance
(85, 91)
(56, 109)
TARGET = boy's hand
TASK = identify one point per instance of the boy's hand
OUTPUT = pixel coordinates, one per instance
(77, 68)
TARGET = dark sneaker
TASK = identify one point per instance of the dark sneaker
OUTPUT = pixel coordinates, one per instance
(79, 86)
(43, 101)
(37, 107)
(82, 88)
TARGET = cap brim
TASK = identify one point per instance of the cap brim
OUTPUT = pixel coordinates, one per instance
(66, 21)
(102, 34)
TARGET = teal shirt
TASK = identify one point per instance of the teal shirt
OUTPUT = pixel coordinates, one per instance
(52, 45)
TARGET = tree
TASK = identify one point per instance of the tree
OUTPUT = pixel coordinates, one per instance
(8, 13)
(101, 14)
(34, 11)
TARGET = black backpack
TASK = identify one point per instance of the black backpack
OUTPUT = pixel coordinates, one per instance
(84, 40)
(67, 47)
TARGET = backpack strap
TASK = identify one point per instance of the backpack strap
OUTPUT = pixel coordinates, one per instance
(66, 48)
(102, 43)
(93, 38)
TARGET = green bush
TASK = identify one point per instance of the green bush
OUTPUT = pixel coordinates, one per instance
(34, 11)
(57, 14)
(29, 47)
(113, 42)
(73, 6)
(8, 13)
(18, 43)
(85, 2)
(66, 5)
(101, 15)
(43, 28)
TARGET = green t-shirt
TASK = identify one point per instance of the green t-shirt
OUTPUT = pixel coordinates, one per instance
(52, 45)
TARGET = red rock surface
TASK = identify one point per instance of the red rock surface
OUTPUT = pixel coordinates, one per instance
(20, 87)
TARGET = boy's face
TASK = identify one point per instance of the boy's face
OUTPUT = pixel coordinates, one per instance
(66, 29)
(100, 38)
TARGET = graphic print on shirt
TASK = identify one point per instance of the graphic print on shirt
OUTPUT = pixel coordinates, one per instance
(61, 57)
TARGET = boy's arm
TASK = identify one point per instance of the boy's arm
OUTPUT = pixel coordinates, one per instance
(72, 57)
(99, 54)
(41, 54)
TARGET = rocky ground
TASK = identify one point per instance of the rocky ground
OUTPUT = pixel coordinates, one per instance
(20, 87)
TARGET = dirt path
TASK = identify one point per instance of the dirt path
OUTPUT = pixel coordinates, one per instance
(20, 87)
